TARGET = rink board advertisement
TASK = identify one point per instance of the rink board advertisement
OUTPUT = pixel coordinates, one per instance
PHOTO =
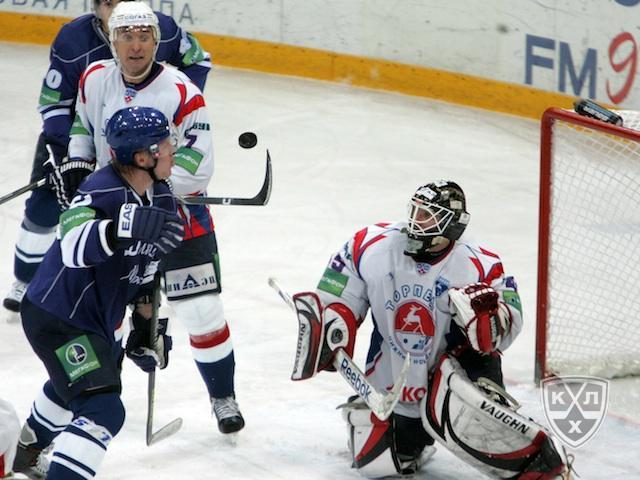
(516, 56)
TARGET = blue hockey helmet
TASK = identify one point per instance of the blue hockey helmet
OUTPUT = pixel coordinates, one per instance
(135, 129)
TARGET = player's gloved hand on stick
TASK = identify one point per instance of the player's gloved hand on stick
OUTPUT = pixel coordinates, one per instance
(64, 175)
(139, 347)
(149, 224)
(477, 310)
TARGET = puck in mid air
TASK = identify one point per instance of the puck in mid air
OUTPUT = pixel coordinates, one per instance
(248, 140)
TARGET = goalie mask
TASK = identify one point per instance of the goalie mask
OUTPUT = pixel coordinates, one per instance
(437, 216)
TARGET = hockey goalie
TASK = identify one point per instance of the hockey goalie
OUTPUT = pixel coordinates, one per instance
(447, 304)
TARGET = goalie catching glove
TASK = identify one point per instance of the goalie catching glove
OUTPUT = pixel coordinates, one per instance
(321, 331)
(486, 320)
(139, 348)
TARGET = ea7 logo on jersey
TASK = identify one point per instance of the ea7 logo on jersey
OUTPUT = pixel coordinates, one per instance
(191, 281)
(575, 407)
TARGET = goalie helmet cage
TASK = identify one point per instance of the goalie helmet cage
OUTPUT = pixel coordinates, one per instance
(588, 307)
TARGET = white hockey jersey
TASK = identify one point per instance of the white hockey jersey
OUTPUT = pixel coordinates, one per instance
(102, 92)
(409, 301)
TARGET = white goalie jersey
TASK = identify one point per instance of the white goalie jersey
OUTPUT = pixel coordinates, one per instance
(409, 301)
(102, 91)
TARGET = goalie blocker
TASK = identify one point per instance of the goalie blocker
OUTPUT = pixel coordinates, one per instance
(321, 331)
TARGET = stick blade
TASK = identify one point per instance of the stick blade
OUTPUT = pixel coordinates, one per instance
(166, 431)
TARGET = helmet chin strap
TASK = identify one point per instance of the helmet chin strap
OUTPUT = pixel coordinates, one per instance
(136, 78)
(151, 170)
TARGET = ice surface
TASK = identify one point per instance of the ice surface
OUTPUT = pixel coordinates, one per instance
(342, 158)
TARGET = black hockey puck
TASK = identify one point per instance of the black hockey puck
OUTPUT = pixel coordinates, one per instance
(248, 140)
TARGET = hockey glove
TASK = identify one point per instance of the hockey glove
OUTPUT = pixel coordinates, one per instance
(321, 331)
(139, 347)
(64, 176)
(484, 319)
(149, 224)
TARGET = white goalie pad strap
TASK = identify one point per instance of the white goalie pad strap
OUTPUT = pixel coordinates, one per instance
(371, 442)
(486, 434)
(310, 335)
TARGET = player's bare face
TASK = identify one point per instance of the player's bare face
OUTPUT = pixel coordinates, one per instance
(135, 49)
(166, 150)
(103, 11)
(422, 218)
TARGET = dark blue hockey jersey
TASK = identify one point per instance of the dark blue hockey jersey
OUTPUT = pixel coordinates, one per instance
(83, 280)
(81, 42)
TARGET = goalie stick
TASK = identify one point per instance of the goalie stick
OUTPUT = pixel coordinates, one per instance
(380, 403)
(175, 425)
(260, 199)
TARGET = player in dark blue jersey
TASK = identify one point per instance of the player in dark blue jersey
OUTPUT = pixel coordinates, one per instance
(122, 219)
(78, 43)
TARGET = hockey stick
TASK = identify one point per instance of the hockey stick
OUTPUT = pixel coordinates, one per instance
(380, 403)
(175, 425)
(262, 197)
(21, 190)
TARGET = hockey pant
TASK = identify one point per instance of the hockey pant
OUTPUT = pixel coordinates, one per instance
(81, 411)
(192, 283)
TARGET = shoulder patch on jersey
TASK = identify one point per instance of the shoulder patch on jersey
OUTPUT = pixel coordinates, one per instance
(74, 217)
(188, 159)
(191, 50)
(77, 128)
(48, 97)
(333, 282)
(512, 298)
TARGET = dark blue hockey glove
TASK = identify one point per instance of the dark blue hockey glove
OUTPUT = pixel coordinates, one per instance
(138, 346)
(149, 224)
(64, 176)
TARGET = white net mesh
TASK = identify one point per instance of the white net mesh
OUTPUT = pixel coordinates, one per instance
(593, 324)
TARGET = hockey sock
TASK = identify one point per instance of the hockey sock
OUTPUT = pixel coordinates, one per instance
(218, 376)
(48, 418)
(80, 449)
(31, 246)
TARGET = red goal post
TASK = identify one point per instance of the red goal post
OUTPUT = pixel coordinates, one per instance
(588, 306)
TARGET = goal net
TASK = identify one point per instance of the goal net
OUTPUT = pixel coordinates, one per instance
(588, 319)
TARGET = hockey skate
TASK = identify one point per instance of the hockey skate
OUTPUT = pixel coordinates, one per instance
(14, 298)
(31, 462)
(228, 414)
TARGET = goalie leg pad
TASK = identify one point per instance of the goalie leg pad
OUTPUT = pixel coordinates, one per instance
(487, 434)
(371, 442)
